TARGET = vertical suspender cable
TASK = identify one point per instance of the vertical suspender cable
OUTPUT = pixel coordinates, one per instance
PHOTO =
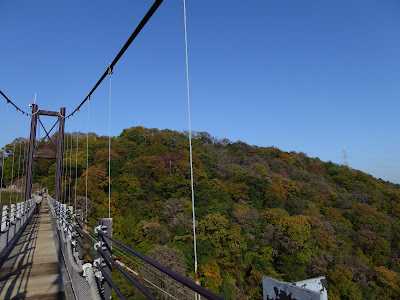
(76, 160)
(19, 170)
(4, 154)
(62, 171)
(65, 158)
(66, 168)
(109, 148)
(70, 169)
(26, 164)
(22, 176)
(66, 173)
(190, 147)
(24, 170)
(12, 173)
(87, 157)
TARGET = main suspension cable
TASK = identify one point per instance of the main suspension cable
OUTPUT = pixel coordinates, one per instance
(12, 103)
(142, 23)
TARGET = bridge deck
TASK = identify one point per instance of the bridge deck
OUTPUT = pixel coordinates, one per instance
(31, 270)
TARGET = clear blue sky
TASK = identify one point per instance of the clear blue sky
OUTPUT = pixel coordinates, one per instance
(313, 76)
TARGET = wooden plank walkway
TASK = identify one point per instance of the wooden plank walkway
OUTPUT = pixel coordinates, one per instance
(31, 271)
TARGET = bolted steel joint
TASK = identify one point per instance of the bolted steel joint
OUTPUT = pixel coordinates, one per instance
(98, 228)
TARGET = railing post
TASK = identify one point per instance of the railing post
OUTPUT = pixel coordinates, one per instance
(58, 211)
(78, 235)
(18, 222)
(69, 221)
(4, 216)
(12, 214)
(105, 225)
(63, 215)
(19, 210)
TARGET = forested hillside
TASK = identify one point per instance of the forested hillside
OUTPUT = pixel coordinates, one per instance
(260, 211)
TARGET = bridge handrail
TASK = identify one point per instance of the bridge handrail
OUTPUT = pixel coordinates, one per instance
(66, 218)
(24, 212)
(62, 219)
(109, 280)
(14, 227)
(186, 282)
(126, 274)
(110, 259)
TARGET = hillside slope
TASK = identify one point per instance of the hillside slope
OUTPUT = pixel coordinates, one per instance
(260, 211)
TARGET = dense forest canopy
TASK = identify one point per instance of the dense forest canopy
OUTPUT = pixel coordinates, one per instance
(260, 211)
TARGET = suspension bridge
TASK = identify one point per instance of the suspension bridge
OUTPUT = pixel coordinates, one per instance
(48, 248)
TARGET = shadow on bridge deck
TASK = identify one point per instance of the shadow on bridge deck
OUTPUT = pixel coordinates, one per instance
(31, 269)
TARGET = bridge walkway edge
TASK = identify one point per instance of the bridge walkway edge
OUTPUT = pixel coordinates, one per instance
(31, 269)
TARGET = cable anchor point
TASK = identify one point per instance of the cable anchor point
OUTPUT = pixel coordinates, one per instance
(110, 70)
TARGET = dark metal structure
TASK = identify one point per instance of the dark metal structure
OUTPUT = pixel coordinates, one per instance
(32, 144)
(31, 149)
(60, 152)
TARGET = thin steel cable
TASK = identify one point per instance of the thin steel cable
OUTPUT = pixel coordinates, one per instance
(66, 170)
(26, 164)
(62, 171)
(76, 159)
(23, 170)
(137, 262)
(24, 167)
(4, 154)
(145, 279)
(109, 150)
(70, 169)
(190, 146)
(65, 160)
(12, 173)
(87, 158)
(140, 263)
(18, 172)
(89, 235)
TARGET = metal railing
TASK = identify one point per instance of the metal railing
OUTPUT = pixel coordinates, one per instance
(182, 280)
(92, 254)
(63, 229)
(13, 219)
